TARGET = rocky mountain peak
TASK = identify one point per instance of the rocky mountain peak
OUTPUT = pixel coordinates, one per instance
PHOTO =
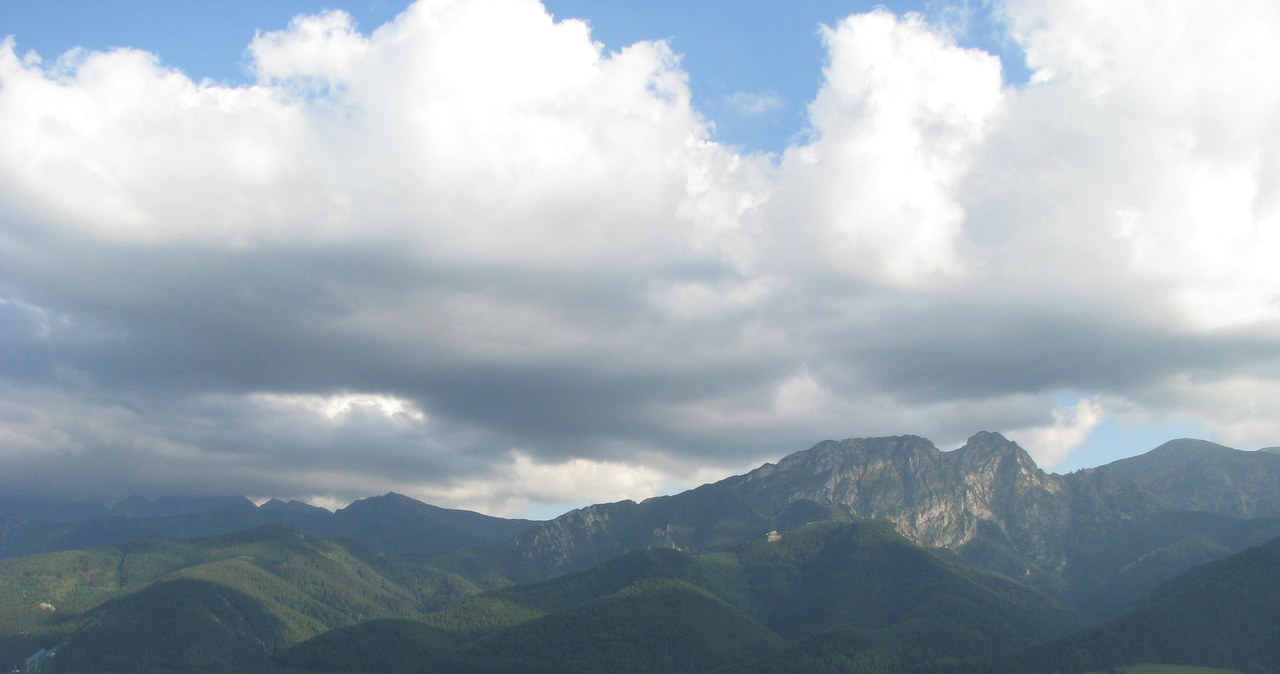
(831, 454)
(936, 498)
(987, 446)
(995, 456)
(989, 443)
(987, 502)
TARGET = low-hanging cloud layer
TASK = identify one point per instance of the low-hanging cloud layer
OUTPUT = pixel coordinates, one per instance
(473, 258)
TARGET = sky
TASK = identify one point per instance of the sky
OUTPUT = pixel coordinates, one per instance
(518, 257)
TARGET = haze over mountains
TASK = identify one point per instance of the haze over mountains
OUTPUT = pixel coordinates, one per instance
(974, 551)
(392, 522)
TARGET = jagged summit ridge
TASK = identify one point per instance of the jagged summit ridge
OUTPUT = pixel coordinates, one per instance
(989, 490)
(936, 498)
(987, 503)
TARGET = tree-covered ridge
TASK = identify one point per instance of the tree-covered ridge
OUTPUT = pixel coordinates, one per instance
(1201, 475)
(651, 625)
(1224, 614)
(844, 584)
(831, 596)
(306, 584)
(175, 625)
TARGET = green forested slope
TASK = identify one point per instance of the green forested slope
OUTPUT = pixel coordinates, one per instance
(1224, 614)
(652, 625)
(176, 625)
(306, 585)
(852, 588)
(1199, 475)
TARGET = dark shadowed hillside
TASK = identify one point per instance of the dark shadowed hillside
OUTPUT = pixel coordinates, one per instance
(1200, 475)
(175, 625)
(1224, 614)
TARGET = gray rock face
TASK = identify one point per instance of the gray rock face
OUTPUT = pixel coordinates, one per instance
(937, 499)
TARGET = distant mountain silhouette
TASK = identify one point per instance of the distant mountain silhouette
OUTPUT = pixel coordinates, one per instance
(392, 523)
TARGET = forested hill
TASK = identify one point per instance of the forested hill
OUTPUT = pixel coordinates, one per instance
(192, 603)
(861, 590)
(1200, 475)
(1224, 614)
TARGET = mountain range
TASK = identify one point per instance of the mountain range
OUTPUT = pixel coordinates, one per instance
(391, 523)
(884, 554)
(1094, 539)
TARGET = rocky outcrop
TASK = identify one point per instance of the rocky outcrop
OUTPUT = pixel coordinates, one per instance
(935, 498)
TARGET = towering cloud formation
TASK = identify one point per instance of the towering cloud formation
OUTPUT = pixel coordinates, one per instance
(473, 258)
(897, 124)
